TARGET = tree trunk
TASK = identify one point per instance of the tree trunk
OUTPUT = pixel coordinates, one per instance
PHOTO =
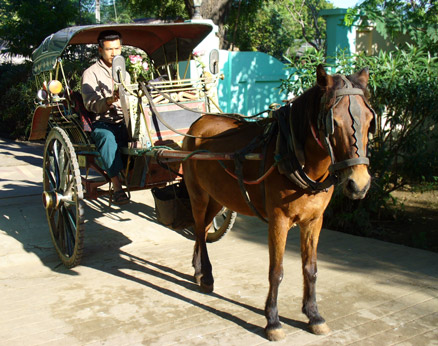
(217, 11)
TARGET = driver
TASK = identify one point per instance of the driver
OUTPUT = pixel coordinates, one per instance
(100, 98)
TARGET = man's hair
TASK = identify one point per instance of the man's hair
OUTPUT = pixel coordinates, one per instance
(108, 35)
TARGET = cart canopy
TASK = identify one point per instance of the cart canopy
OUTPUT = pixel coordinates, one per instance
(164, 43)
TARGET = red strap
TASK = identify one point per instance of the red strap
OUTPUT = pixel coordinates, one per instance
(253, 182)
(315, 137)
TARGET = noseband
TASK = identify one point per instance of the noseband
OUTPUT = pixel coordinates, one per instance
(325, 124)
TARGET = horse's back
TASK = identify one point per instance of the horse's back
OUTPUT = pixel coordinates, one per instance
(209, 176)
(230, 134)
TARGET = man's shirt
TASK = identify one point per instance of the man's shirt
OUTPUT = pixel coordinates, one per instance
(98, 84)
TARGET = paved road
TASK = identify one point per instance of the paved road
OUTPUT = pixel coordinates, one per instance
(134, 286)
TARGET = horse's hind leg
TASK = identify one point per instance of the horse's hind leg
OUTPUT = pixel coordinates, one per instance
(204, 209)
(309, 243)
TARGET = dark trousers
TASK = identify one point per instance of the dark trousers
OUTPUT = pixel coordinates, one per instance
(108, 139)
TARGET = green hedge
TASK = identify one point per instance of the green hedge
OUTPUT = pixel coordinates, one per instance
(17, 92)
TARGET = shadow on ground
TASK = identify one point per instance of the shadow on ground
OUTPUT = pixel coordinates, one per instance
(104, 252)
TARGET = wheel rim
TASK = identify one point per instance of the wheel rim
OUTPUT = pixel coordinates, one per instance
(218, 220)
(222, 223)
(62, 197)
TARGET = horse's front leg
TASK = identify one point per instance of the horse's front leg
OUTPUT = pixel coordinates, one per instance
(309, 243)
(278, 229)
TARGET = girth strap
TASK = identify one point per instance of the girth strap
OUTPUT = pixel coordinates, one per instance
(260, 141)
(239, 173)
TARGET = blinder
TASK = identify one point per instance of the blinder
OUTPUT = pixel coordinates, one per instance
(325, 124)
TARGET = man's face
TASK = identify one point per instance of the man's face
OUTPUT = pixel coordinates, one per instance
(110, 50)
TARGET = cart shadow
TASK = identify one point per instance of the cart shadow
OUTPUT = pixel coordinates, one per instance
(140, 209)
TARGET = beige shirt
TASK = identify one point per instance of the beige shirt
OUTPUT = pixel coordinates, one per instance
(98, 84)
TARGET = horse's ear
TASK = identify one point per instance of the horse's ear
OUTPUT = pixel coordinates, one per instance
(322, 78)
(362, 77)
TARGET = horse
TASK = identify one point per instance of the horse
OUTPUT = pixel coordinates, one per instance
(313, 142)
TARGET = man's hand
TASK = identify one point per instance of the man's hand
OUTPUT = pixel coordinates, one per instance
(110, 100)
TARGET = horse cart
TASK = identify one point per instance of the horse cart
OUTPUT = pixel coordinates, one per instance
(283, 168)
(157, 115)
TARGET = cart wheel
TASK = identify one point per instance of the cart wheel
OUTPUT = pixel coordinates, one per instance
(62, 197)
(222, 223)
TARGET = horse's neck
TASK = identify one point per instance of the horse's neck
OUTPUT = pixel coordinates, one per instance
(317, 159)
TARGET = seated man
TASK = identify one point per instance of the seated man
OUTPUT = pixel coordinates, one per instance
(100, 98)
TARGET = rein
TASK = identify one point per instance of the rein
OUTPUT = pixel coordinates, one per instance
(291, 163)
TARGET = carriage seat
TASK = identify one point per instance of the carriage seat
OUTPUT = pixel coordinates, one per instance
(84, 115)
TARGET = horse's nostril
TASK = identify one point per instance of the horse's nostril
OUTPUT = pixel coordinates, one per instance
(352, 186)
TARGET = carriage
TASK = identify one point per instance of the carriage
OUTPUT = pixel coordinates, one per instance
(281, 169)
(156, 117)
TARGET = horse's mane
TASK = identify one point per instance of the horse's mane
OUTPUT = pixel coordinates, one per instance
(306, 107)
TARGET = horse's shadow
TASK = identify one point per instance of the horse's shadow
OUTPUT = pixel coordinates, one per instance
(119, 262)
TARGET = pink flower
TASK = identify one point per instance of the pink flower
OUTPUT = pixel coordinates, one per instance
(198, 53)
(135, 59)
(145, 65)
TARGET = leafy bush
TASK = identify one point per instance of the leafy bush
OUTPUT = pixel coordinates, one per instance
(16, 104)
(403, 92)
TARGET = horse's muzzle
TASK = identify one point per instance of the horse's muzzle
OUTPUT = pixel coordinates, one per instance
(356, 182)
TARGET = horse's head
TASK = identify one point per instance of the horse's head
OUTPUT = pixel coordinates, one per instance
(344, 121)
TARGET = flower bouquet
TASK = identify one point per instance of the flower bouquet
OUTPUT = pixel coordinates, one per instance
(140, 68)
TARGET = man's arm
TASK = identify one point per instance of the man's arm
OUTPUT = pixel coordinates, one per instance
(93, 100)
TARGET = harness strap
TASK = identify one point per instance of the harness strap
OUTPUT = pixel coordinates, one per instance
(312, 128)
(239, 173)
(288, 162)
(348, 163)
(261, 140)
(251, 182)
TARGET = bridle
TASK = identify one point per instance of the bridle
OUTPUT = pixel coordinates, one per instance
(325, 124)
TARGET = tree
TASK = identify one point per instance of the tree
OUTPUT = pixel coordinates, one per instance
(417, 19)
(161, 9)
(24, 24)
(277, 27)
(269, 26)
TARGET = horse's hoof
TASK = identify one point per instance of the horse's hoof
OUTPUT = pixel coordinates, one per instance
(275, 334)
(198, 278)
(319, 329)
(206, 288)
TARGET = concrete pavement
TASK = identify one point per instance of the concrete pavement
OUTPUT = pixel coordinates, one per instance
(134, 286)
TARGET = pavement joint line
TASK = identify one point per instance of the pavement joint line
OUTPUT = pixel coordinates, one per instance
(380, 304)
(377, 319)
(213, 332)
(414, 336)
(416, 319)
(392, 328)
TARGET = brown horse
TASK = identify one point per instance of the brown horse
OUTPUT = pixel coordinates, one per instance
(326, 132)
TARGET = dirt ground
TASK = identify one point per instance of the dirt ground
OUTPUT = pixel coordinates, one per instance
(417, 223)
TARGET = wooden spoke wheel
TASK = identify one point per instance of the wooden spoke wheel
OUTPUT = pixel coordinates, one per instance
(222, 223)
(63, 197)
